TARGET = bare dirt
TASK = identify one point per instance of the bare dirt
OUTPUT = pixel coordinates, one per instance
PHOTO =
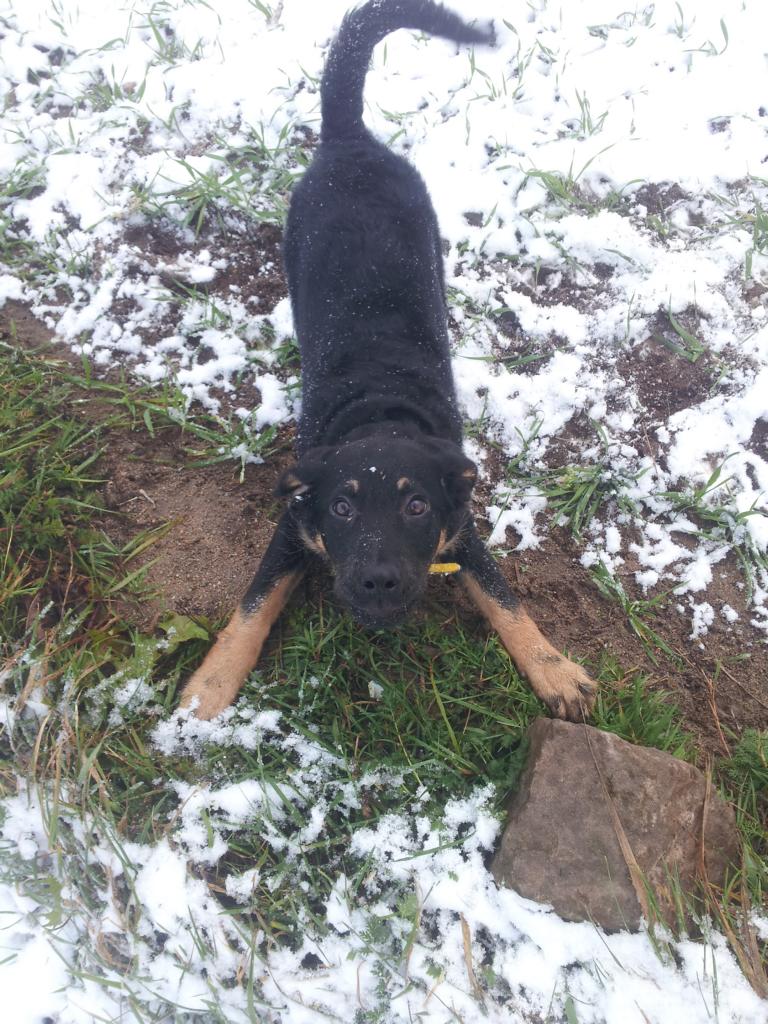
(665, 383)
(218, 525)
(719, 681)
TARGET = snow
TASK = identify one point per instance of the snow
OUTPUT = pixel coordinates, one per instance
(595, 98)
(427, 864)
(10, 288)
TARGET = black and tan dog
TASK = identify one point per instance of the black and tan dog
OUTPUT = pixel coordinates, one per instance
(381, 489)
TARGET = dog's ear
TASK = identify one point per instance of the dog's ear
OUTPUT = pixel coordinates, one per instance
(300, 478)
(458, 473)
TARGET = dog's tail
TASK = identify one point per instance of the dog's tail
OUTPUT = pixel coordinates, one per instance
(341, 91)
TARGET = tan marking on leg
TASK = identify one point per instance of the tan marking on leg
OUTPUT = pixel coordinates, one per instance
(403, 483)
(226, 666)
(563, 685)
(445, 545)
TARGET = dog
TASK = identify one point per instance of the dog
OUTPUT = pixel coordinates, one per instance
(381, 488)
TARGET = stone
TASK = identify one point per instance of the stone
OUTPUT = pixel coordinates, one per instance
(562, 844)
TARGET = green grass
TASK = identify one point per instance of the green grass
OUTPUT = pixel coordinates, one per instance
(52, 555)
(719, 521)
(639, 613)
(744, 778)
(252, 181)
(25, 180)
(567, 190)
(745, 209)
(48, 485)
(575, 493)
(103, 93)
(684, 343)
(588, 123)
(451, 714)
(757, 218)
(638, 714)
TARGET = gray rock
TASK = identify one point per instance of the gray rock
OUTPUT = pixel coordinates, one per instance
(563, 841)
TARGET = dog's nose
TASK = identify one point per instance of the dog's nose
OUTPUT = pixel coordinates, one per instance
(381, 580)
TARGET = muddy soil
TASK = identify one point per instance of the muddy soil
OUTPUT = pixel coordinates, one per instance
(218, 525)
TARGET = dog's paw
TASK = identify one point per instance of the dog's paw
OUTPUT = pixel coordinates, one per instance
(563, 685)
(207, 696)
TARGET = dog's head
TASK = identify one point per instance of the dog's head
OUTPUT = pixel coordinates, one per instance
(380, 510)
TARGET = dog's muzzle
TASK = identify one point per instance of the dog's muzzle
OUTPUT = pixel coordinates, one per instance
(377, 597)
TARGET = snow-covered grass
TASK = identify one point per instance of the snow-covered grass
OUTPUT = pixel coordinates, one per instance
(313, 854)
(319, 853)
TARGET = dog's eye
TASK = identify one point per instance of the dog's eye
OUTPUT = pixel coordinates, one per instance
(342, 508)
(416, 507)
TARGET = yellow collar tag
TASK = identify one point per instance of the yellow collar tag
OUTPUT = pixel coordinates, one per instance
(444, 568)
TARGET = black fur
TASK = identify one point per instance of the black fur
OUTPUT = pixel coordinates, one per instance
(363, 259)
(365, 274)
(350, 54)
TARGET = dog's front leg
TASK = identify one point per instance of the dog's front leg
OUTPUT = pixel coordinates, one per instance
(217, 682)
(564, 686)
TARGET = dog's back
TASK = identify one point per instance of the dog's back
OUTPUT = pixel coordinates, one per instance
(363, 257)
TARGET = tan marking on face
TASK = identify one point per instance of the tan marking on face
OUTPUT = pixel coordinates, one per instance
(226, 666)
(403, 483)
(314, 544)
(294, 485)
(353, 485)
(563, 685)
(470, 474)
